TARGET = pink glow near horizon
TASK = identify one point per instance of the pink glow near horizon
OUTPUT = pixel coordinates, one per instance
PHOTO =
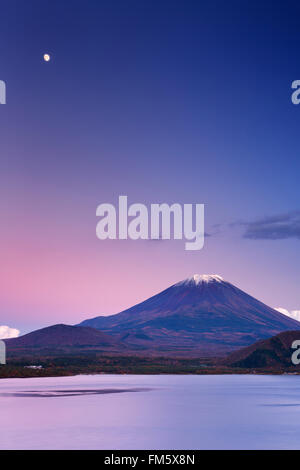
(67, 285)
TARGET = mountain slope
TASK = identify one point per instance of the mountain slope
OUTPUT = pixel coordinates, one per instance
(61, 337)
(273, 352)
(203, 313)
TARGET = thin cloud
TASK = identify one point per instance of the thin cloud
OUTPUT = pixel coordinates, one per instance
(279, 227)
(295, 314)
(161, 239)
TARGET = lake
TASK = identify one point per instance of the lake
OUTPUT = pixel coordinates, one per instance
(151, 412)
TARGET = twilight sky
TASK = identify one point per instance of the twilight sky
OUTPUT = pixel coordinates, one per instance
(163, 101)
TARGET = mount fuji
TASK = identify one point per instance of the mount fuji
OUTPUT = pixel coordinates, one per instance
(203, 314)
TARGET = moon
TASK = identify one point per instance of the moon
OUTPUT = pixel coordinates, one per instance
(46, 57)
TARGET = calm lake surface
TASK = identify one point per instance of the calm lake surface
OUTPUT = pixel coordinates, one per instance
(151, 412)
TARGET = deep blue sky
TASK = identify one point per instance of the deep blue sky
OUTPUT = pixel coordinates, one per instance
(165, 101)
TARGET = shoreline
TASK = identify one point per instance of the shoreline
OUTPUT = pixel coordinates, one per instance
(46, 374)
(34, 365)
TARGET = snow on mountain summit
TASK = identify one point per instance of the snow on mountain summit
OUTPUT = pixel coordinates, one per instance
(197, 279)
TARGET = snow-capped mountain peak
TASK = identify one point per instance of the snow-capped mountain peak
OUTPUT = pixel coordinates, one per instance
(203, 313)
(197, 279)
